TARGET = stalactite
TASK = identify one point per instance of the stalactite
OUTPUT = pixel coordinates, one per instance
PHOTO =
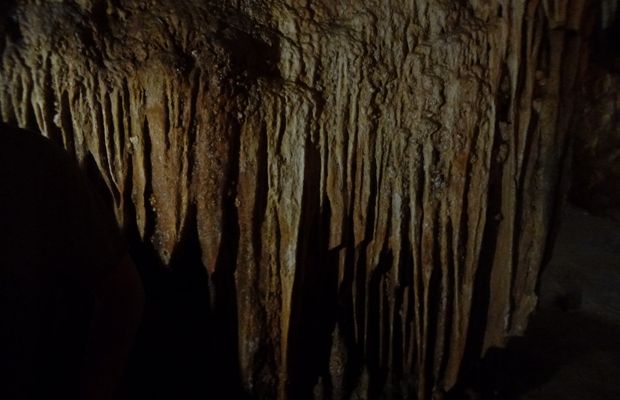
(370, 183)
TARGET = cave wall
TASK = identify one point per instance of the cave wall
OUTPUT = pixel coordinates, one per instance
(595, 128)
(370, 184)
(596, 166)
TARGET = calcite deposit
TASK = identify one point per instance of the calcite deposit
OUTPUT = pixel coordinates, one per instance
(371, 183)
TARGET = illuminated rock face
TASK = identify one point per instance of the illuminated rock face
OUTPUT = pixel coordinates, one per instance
(371, 184)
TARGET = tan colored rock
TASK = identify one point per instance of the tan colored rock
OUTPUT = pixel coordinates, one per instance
(375, 179)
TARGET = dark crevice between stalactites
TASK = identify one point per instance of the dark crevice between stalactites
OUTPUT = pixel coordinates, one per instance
(376, 368)
(225, 307)
(314, 301)
(173, 354)
(66, 124)
(149, 214)
(263, 360)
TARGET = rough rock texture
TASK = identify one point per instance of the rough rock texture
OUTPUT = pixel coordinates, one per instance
(371, 184)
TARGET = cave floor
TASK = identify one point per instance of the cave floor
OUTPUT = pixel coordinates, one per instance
(571, 349)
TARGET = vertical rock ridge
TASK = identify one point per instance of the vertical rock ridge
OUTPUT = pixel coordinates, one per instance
(371, 183)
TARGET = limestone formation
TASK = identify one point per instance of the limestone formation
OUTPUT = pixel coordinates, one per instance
(371, 182)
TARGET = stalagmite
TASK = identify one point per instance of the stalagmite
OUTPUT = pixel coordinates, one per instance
(371, 183)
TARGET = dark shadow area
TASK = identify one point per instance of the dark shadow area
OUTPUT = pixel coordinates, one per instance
(314, 302)
(563, 355)
(571, 349)
(606, 47)
(187, 345)
(174, 353)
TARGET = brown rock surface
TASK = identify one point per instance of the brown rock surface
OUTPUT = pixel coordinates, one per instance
(371, 183)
